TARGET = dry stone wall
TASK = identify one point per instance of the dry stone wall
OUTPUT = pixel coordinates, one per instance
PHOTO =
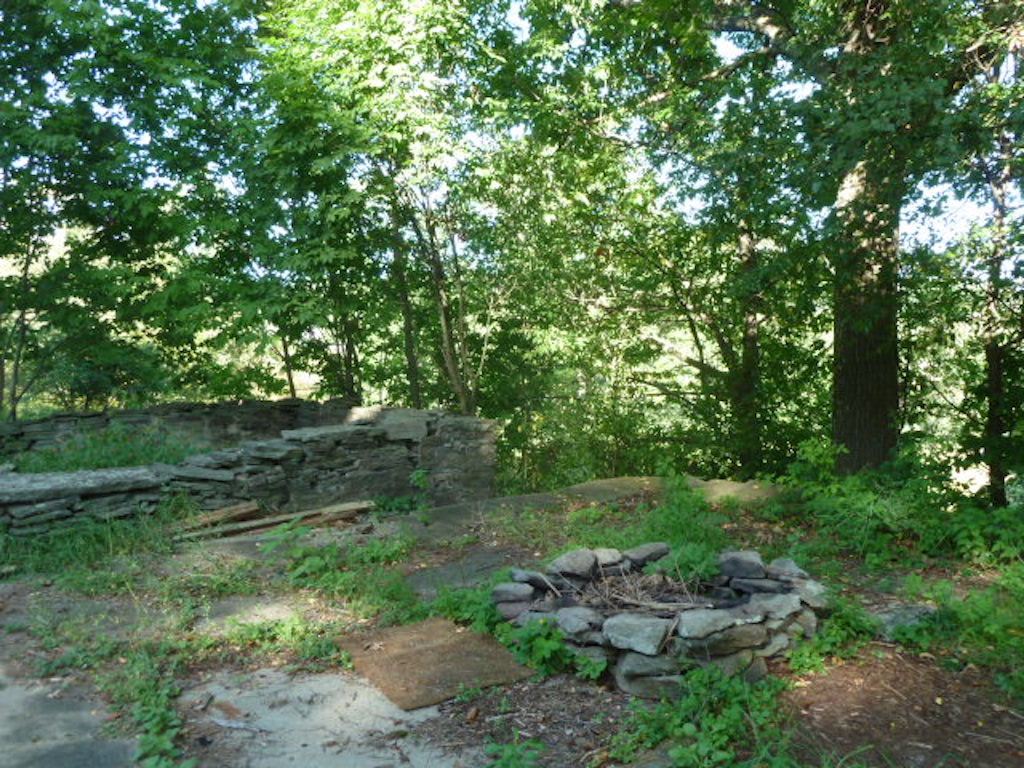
(370, 453)
(216, 424)
(650, 630)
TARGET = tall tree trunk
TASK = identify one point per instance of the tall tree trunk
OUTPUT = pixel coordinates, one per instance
(746, 396)
(432, 251)
(286, 359)
(865, 375)
(400, 277)
(865, 368)
(996, 422)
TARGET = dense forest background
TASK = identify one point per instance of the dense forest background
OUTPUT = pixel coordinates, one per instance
(715, 236)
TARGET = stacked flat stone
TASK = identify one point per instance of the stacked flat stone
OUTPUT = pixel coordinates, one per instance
(371, 454)
(752, 612)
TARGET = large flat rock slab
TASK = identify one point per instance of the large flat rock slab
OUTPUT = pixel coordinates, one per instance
(421, 664)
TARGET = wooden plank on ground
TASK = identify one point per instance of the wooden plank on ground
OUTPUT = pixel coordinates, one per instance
(235, 513)
(332, 513)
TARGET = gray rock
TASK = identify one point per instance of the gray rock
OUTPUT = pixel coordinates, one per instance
(784, 569)
(577, 621)
(511, 591)
(579, 563)
(273, 450)
(650, 677)
(606, 556)
(728, 641)
(753, 668)
(593, 652)
(45, 486)
(701, 622)
(534, 578)
(894, 617)
(636, 632)
(758, 585)
(632, 664)
(774, 606)
(189, 472)
(722, 593)
(646, 553)
(612, 571)
(744, 564)
(19, 511)
(404, 425)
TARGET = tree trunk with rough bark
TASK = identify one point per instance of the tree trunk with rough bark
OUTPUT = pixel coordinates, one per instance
(865, 373)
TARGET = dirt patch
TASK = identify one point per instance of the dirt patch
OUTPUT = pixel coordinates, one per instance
(895, 709)
(573, 719)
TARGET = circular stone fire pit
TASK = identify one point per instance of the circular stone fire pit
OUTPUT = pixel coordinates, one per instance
(651, 628)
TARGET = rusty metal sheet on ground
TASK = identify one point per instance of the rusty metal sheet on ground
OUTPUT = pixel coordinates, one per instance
(431, 661)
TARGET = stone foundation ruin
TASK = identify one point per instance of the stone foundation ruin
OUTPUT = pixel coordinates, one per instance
(651, 628)
(326, 455)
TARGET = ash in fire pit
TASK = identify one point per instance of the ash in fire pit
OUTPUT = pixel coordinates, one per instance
(651, 628)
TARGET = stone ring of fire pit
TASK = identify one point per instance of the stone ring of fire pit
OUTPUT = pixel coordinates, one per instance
(651, 628)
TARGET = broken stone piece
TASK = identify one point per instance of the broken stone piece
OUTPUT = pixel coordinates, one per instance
(646, 553)
(774, 606)
(744, 564)
(812, 592)
(758, 585)
(636, 632)
(528, 617)
(579, 563)
(509, 611)
(784, 569)
(607, 556)
(807, 620)
(775, 646)
(753, 668)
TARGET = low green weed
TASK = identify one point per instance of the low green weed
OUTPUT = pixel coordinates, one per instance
(115, 446)
(95, 555)
(682, 517)
(417, 501)
(520, 754)
(357, 574)
(985, 626)
(718, 721)
(473, 607)
(847, 629)
(541, 645)
(143, 684)
(881, 515)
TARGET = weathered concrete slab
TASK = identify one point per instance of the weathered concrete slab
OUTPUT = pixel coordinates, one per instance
(46, 725)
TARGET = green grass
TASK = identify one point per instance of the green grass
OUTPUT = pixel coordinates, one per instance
(96, 555)
(115, 446)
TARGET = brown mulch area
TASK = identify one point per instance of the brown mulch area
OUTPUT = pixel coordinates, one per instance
(895, 709)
